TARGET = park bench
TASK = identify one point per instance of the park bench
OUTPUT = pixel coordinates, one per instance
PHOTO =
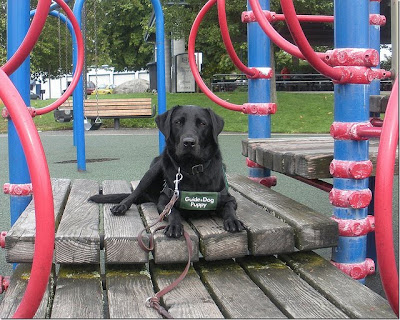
(109, 109)
(268, 270)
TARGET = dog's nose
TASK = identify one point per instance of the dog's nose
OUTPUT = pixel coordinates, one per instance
(189, 142)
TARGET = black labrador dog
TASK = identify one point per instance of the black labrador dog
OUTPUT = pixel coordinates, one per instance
(191, 163)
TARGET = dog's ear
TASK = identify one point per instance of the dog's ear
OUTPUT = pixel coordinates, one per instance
(163, 122)
(217, 124)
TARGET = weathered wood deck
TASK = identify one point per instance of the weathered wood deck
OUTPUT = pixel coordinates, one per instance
(100, 271)
(306, 157)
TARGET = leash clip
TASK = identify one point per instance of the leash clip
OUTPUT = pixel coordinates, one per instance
(178, 178)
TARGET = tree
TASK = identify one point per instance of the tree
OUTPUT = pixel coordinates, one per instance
(121, 33)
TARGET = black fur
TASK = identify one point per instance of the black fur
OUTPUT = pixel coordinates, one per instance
(191, 134)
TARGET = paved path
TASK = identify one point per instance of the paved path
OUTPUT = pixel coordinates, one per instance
(126, 154)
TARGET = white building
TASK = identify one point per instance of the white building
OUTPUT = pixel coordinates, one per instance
(53, 88)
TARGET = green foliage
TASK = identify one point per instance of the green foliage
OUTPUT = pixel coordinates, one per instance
(121, 33)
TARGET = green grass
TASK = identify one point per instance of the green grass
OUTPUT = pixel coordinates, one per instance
(297, 112)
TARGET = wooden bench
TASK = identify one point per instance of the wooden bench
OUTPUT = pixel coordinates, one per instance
(109, 109)
(102, 273)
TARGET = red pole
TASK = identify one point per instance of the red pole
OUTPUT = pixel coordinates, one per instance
(42, 191)
(30, 39)
(383, 200)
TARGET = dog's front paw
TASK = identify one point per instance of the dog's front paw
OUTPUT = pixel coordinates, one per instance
(119, 209)
(233, 225)
(174, 230)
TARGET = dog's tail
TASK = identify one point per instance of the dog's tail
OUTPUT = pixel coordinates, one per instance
(109, 198)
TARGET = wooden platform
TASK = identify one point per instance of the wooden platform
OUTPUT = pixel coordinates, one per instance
(100, 271)
(306, 157)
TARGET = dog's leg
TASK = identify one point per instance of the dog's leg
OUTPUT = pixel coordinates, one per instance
(149, 177)
(231, 222)
(174, 229)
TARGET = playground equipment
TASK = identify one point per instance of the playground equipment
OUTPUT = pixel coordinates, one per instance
(347, 137)
(350, 66)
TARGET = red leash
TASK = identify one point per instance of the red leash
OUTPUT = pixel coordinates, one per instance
(154, 301)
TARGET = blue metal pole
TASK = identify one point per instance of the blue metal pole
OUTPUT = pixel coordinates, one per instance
(79, 131)
(375, 41)
(259, 89)
(17, 27)
(161, 94)
(351, 105)
(62, 17)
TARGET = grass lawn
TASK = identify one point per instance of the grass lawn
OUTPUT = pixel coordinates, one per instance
(297, 112)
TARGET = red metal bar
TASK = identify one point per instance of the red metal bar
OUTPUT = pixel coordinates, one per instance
(352, 57)
(303, 44)
(30, 39)
(377, 20)
(350, 169)
(3, 235)
(376, 122)
(79, 63)
(355, 199)
(39, 172)
(368, 131)
(383, 200)
(192, 63)
(355, 228)
(223, 25)
(322, 185)
(357, 270)
(248, 16)
(18, 189)
(273, 34)
(306, 18)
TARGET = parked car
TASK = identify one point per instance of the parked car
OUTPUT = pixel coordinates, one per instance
(90, 87)
(34, 96)
(104, 89)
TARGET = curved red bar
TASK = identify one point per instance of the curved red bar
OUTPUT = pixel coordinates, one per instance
(303, 44)
(30, 39)
(40, 176)
(274, 35)
(383, 200)
(79, 64)
(223, 25)
(192, 62)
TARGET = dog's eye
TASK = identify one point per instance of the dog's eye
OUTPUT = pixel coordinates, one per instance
(178, 122)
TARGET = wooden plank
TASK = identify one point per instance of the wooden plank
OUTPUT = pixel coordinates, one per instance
(78, 238)
(263, 229)
(20, 240)
(190, 299)
(79, 293)
(128, 287)
(236, 295)
(215, 242)
(169, 250)
(307, 157)
(121, 232)
(113, 114)
(295, 297)
(355, 299)
(13, 296)
(311, 229)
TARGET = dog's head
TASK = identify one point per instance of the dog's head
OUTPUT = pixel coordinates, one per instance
(191, 132)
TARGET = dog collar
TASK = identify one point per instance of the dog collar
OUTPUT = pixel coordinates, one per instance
(196, 169)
